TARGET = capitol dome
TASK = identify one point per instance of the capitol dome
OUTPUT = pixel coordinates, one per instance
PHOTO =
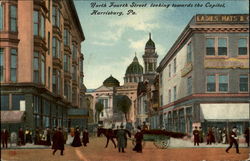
(134, 67)
(111, 82)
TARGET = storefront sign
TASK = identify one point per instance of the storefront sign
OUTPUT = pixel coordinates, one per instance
(226, 63)
(188, 68)
(244, 18)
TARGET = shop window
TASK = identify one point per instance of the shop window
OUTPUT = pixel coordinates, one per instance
(4, 102)
(16, 101)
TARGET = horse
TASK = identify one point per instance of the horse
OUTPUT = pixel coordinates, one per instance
(110, 134)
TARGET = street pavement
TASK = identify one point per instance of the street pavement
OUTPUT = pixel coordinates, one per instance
(178, 150)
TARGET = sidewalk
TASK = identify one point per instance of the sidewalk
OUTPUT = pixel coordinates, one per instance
(180, 143)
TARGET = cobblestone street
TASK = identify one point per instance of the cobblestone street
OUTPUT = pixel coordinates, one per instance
(96, 152)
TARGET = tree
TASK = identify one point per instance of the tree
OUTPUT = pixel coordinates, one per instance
(99, 108)
(123, 104)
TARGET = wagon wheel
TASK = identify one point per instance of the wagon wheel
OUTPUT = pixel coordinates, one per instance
(162, 143)
(134, 143)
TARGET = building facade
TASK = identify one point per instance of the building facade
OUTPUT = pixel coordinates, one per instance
(204, 77)
(41, 63)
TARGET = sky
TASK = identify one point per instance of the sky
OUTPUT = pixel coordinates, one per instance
(111, 40)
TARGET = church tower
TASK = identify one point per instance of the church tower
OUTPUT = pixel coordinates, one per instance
(150, 60)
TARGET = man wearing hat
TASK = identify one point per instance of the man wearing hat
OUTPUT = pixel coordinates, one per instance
(121, 138)
(138, 137)
(233, 140)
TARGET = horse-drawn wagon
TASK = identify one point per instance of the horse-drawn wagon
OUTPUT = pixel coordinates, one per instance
(160, 138)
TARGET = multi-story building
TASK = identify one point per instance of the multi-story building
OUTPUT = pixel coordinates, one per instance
(41, 63)
(204, 77)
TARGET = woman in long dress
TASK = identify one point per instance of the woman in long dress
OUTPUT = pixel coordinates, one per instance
(77, 141)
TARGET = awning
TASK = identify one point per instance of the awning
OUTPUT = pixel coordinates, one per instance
(12, 116)
(224, 112)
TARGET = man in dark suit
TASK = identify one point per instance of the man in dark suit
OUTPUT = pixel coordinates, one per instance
(58, 141)
(85, 137)
(196, 134)
(4, 138)
(139, 138)
(233, 140)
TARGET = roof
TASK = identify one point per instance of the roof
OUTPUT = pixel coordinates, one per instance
(76, 18)
(111, 82)
(134, 67)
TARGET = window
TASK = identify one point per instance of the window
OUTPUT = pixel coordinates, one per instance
(150, 67)
(66, 37)
(242, 46)
(222, 46)
(1, 17)
(74, 52)
(160, 79)
(210, 49)
(211, 83)
(36, 67)
(74, 96)
(175, 93)
(48, 43)
(13, 18)
(175, 65)
(189, 85)
(66, 63)
(13, 66)
(223, 83)
(169, 95)
(37, 105)
(243, 83)
(42, 69)
(49, 77)
(56, 48)
(1, 65)
(55, 16)
(74, 74)
(42, 26)
(161, 100)
(36, 23)
(16, 98)
(4, 102)
(189, 53)
(56, 81)
(81, 66)
(169, 70)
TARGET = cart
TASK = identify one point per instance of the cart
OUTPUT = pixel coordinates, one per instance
(160, 138)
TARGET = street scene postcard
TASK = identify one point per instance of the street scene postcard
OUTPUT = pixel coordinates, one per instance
(124, 80)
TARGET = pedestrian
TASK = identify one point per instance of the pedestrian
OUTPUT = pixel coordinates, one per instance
(201, 135)
(210, 137)
(216, 134)
(196, 136)
(65, 135)
(233, 140)
(85, 137)
(138, 140)
(220, 135)
(246, 133)
(224, 136)
(4, 138)
(144, 126)
(21, 137)
(48, 137)
(28, 136)
(121, 135)
(58, 141)
(76, 141)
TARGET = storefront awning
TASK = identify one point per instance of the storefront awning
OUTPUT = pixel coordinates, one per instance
(224, 112)
(12, 116)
